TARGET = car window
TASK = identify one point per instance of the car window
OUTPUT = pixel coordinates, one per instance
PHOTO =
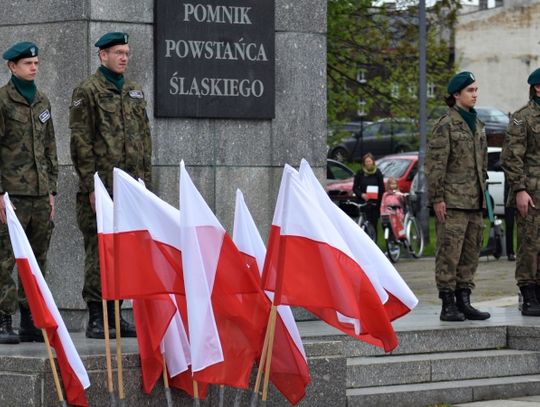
(492, 115)
(403, 127)
(372, 130)
(336, 171)
(494, 161)
(394, 167)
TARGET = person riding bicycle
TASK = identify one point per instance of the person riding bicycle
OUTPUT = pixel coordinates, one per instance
(392, 208)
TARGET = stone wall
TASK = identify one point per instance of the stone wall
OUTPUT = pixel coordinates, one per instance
(501, 47)
(221, 155)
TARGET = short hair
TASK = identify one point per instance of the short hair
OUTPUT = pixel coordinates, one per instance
(366, 156)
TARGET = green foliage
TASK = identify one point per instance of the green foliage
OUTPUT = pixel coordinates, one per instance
(383, 44)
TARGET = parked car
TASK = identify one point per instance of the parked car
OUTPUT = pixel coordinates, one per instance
(339, 181)
(380, 138)
(403, 167)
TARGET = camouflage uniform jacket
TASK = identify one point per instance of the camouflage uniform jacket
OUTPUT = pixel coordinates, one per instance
(109, 128)
(28, 161)
(456, 163)
(521, 153)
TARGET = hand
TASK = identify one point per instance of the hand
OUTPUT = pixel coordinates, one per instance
(440, 211)
(523, 200)
(53, 207)
(92, 197)
(364, 196)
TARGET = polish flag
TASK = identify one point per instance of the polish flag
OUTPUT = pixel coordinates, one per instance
(45, 313)
(372, 192)
(227, 309)
(152, 226)
(105, 235)
(289, 370)
(147, 258)
(309, 264)
(397, 297)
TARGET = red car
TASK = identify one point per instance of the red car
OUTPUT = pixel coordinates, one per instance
(339, 181)
(403, 167)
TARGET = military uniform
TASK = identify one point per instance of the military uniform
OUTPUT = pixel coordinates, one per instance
(109, 128)
(28, 172)
(521, 162)
(456, 170)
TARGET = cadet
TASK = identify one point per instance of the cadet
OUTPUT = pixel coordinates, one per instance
(28, 172)
(109, 128)
(521, 162)
(456, 170)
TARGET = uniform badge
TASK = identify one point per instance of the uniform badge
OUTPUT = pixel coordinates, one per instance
(518, 122)
(77, 103)
(136, 94)
(44, 116)
(33, 51)
(472, 77)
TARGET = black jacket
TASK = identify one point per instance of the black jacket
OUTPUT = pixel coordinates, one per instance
(361, 182)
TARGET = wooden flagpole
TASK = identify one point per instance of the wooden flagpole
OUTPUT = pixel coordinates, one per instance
(196, 401)
(121, 394)
(53, 368)
(168, 395)
(270, 349)
(263, 358)
(110, 384)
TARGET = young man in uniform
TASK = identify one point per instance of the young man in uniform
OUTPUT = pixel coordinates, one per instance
(28, 172)
(109, 128)
(521, 162)
(456, 170)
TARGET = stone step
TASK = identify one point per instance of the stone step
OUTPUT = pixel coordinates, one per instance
(429, 340)
(448, 392)
(438, 367)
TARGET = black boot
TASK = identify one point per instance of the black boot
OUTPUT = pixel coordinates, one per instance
(449, 310)
(463, 301)
(95, 322)
(28, 332)
(127, 330)
(7, 336)
(530, 306)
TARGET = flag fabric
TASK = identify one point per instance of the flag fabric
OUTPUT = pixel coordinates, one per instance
(227, 309)
(105, 235)
(289, 370)
(45, 312)
(147, 260)
(397, 297)
(372, 192)
(160, 330)
(310, 265)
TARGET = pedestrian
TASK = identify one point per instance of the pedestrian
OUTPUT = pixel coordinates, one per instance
(521, 163)
(368, 186)
(28, 172)
(109, 128)
(509, 220)
(456, 171)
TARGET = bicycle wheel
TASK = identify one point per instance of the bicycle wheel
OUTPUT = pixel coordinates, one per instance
(393, 249)
(415, 237)
(369, 229)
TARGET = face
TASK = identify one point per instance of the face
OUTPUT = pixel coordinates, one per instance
(368, 163)
(115, 58)
(392, 185)
(24, 68)
(466, 98)
(537, 89)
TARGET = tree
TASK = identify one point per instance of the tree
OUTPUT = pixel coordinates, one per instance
(373, 58)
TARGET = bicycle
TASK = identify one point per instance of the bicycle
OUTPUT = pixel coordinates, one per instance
(358, 213)
(413, 239)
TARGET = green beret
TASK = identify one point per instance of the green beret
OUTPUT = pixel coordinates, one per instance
(21, 50)
(460, 81)
(534, 77)
(111, 39)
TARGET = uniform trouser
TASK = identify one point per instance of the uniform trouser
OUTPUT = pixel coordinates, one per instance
(528, 248)
(459, 241)
(509, 217)
(34, 215)
(86, 219)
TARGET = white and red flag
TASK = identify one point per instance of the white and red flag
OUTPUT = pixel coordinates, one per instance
(309, 264)
(227, 309)
(45, 313)
(397, 297)
(152, 225)
(289, 370)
